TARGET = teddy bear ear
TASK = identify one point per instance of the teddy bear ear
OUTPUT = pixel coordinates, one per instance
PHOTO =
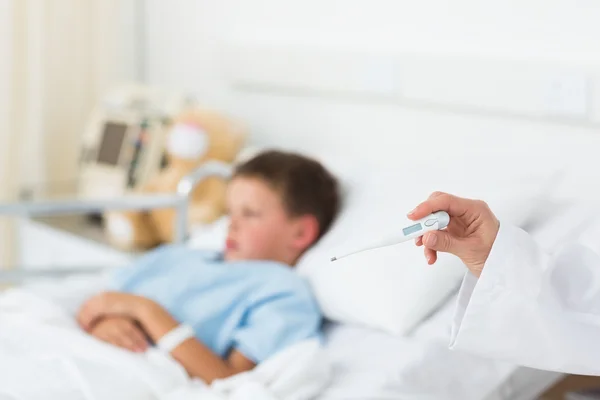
(187, 141)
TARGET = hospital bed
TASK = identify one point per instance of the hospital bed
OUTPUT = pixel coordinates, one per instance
(366, 363)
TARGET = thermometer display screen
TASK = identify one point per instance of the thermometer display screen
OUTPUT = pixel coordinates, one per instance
(411, 229)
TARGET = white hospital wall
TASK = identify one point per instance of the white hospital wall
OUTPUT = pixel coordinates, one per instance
(468, 82)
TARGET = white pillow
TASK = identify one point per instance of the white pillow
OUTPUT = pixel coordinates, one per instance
(393, 289)
(209, 236)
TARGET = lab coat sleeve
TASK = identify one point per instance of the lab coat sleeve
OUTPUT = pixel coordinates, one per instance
(535, 308)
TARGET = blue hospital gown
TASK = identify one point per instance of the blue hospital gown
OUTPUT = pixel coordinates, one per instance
(256, 307)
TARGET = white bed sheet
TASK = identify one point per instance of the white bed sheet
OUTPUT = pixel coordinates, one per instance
(369, 364)
(374, 365)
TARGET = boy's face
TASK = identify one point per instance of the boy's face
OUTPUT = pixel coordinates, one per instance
(260, 227)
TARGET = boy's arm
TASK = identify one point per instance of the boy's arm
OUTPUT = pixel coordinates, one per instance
(197, 359)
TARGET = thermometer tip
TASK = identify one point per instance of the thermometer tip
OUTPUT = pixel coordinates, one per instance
(333, 259)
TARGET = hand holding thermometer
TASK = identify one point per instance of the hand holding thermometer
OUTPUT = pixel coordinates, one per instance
(432, 222)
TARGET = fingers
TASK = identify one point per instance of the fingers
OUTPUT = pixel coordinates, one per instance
(430, 255)
(122, 333)
(439, 201)
(135, 337)
(91, 311)
(86, 317)
(125, 338)
(87, 320)
(117, 338)
(444, 242)
(125, 334)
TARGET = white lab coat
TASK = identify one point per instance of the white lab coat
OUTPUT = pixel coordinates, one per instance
(537, 302)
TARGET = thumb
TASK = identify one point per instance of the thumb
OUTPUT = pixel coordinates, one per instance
(442, 241)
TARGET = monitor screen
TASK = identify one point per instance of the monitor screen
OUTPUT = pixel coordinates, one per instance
(113, 137)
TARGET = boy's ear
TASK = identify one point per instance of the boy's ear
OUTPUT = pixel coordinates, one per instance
(307, 231)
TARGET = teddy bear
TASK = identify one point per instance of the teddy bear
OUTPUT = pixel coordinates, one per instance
(195, 136)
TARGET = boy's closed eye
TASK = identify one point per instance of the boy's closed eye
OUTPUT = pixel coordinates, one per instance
(245, 212)
(251, 213)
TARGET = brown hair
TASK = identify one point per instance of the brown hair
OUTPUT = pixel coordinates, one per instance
(305, 185)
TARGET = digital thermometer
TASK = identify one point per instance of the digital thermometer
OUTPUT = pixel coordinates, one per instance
(433, 222)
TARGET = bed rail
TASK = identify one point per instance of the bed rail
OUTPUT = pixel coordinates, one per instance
(138, 202)
(179, 201)
(187, 185)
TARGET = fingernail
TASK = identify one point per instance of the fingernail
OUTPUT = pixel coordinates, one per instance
(431, 240)
(428, 259)
(412, 211)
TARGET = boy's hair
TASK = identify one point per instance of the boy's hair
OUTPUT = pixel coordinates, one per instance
(305, 185)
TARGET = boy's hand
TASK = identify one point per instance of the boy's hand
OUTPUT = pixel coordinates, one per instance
(110, 304)
(122, 332)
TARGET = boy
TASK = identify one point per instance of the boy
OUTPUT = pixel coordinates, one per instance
(243, 305)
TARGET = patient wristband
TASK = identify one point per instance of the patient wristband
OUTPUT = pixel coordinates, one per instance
(169, 341)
